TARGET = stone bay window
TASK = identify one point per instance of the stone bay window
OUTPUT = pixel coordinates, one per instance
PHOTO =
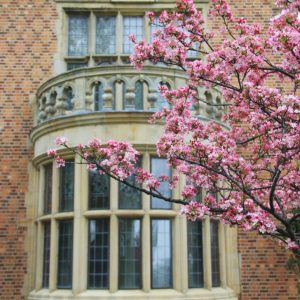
(96, 238)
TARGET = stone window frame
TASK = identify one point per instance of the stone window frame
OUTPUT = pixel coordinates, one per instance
(81, 216)
(118, 8)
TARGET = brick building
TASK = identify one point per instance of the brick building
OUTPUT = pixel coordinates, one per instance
(67, 234)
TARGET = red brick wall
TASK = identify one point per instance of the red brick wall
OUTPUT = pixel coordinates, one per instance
(27, 44)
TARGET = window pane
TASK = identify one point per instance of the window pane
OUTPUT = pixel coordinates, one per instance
(78, 35)
(130, 198)
(159, 167)
(139, 95)
(195, 256)
(65, 254)
(98, 253)
(48, 189)
(66, 199)
(98, 191)
(132, 25)
(129, 254)
(106, 35)
(46, 260)
(215, 261)
(98, 100)
(161, 254)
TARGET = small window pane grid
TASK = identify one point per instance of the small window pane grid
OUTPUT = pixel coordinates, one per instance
(195, 254)
(132, 25)
(46, 257)
(106, 35)
(98, 251)
(215, 260)
(130, 198)
(66, 199)
(78, 35)
(159, 167)
(161, 254)
(48, 189)
(98, 191)
(129, 248)
(129, 254)
(65, 255)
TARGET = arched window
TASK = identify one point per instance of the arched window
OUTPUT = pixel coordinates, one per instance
(98, 97)
(161, 101)
(139, 95)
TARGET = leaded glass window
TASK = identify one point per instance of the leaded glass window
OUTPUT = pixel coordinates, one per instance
(130, 198)
(161, 254)
(98, 251)
(159, 167)
(65, 254)
(215, 260)
(195, 254)
(46, 258)
(130, 276)
(139, 95)
(98, 191)
(106, 35)
(66, 199)
(48, 189)
(132, 25)
(78, 35)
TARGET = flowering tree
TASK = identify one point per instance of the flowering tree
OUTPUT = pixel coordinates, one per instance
(250, 172)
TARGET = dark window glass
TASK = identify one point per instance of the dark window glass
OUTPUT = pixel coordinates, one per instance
(65, 255)
(72, 66)
(132, 25)
(98, 254)
(161, 244)
(48, 189)
(78, 35)
(129, 254)
(98, 191)
(66, 199)
(215, 260)
(98, 97)
(159, 167)
(195, 255)
(106, 35)
(139, 95)
(46, 260)
(130, 198)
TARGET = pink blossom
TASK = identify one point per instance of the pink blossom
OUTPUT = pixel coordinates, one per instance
(52, 152)
(60, 140)
(60, 162)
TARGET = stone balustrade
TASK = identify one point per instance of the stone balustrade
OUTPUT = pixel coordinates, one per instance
(115, 88)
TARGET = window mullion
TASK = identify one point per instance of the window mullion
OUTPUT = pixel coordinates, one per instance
(53, 255)
(39, 256)
(113, 266)
(207, 254)
(119, 35)
(146, 254)
(176, 261)
(92, 38)
(79, 242)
